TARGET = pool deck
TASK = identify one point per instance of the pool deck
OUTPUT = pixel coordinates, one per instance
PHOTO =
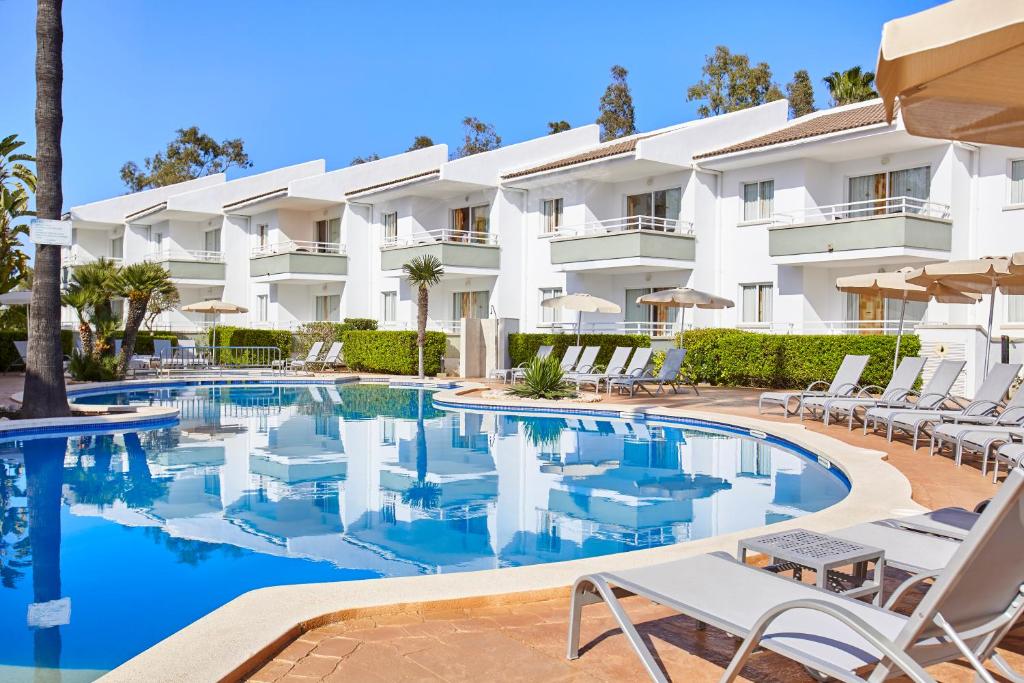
(522, 638)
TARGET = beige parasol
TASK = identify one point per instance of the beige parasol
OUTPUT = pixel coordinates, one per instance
(685, 297)
(214, 307)
(985, 275)
(894, 285)
(956, 71)
(581, 303)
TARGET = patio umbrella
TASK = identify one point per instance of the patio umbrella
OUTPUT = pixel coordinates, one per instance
(894, 285)
(985, 275)
(17, 298)
(214, 307)
(956, 71)
(581, 303)
(684, 297)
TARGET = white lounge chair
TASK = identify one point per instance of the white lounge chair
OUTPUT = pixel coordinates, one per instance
(900, 386)
(971, 606)
(508, 374)
(667, 375)
(980, 439)
(311, 356)
(1010, 453)
(22, 349)
(330, 359)
(843, 384)
(585, 363)
(616, 366)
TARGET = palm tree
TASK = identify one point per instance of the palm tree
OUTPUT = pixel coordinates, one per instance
(45, 393)
(138, 283)
(421, 493)
(17, 183)
(423, 272)
(81, 300)
(99, 281)
(852, 85)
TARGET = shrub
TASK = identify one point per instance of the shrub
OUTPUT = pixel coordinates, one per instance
(703, 362)
(522, 347)
(90, 369)
(245, 336)
(543, 378)
(324, 332)
(9, 357)
(359, 324)
(393, 351)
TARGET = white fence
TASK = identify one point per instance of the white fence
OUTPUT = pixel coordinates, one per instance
(868, 208)
(627, 224)
(298, 246)
(186, 255)
(445, 235)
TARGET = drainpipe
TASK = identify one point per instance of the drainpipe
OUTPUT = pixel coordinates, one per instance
(717, 253)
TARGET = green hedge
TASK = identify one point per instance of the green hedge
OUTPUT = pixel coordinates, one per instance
(9, 357)
(523, 346)
(144, 340)
(246, 336)
(328, 332)
(738, 358)
(358, 324)
(393, 351)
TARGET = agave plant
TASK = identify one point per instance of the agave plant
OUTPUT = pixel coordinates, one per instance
(543, 378)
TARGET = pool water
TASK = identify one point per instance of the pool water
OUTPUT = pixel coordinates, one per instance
(112, 542)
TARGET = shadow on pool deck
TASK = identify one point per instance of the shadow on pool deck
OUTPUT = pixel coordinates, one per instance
(526, 641)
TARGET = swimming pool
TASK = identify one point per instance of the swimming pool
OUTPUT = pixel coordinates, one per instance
(112, 542)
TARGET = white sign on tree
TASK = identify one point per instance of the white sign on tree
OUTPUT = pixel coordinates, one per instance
(45, 231)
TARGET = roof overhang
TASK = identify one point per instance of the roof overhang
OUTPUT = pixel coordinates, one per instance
(619, 168)
(273, 201)
(866, 258)
(432, 185)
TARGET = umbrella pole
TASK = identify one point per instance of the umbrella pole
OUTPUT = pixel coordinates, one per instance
(682, 325)
(899, 334)
(579, 323)
(988, 345)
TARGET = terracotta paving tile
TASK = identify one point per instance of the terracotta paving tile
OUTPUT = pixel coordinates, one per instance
(376, 662)
(295, 651)
(474, 624)
(271, 671)
(444, 615)
(430, 628)
(401, 619)
(335, 646)
(488, 655)
(315, 666)
(380, 633)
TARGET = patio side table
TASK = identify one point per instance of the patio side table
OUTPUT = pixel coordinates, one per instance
(799, 549)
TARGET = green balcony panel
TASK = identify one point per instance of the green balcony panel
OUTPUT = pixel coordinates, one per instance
(451, 255)
(298, 262)
(875, 232)
(626, 244)
(194, 270)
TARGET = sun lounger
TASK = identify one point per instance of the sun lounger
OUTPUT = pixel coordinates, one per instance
(22, 349)
(137, 361)
(330, 359)
(900, 385)
(585, 363)
(616, 366)
(667, 375)
(981, 410)
(980, 438)
(509, 374)
(567, 363)
(969, 608)
(311, 357)
(843, 384)
(1011, 454)
(637, 367)
(931, 397)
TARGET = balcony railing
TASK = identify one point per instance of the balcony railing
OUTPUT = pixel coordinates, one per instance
(446, 326)
(648, 328)
(186, 255)
(76, 258)
(831, 327)
(868, 208)
(627, 224)
(299, 246)
(443, 236)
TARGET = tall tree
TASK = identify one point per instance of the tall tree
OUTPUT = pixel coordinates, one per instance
(420, 142)
(138, 283)
(479, 137)
(45, 394)
(616, 115)
(558, 127)
(190, 155)
(362, 160)
(423, 272)
(852, 85)
(800, 94)
(730, 83)
(98, 280)
(17, 183)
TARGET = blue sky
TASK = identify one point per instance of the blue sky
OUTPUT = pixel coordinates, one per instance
(318, 79)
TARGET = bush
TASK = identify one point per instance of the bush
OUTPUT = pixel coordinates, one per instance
(324, 332)
(90, 369)
(738, 358)
(359, 324)
(522, 347)
(245, 336)
(144, 340)
(543, 378)
(9, 357)
(393, 351)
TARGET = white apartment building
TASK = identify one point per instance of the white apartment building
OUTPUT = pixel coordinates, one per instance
(749, 205)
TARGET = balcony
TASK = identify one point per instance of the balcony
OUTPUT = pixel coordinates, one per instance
(895, 229)
(631, 243)
(187, 267)
(459, 251)
(297, 261)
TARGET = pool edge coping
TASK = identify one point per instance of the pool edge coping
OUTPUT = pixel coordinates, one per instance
(233, 640)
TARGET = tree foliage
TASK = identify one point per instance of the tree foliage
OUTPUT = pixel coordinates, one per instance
(558, 127)
(364, 160)
(800, 94)
(730, 83)
(17, 184)
(850, 86)
(161, 302)
(192, 154)
(420, 142)
(138, 283)
(478, 137)
(616, 117)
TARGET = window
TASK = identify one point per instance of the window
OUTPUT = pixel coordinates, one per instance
(390, 223)
(389, 306)
(328, 307)
(660, 204)
(642, 314)
(551, 210)
(117, 247)
(328, 235)
(1015, 308)
(212, 240)
(261, 234)
(757, 303)
(549, 315)
(1017, 182)
(871, 193)
(758, 200)
(470, 304)
(261, 307)
(865, 313)
(470, 223)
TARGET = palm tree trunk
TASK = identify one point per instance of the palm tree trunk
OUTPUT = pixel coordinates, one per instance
(132, 322)
(85, 334)
(45, 394)
(421, 325)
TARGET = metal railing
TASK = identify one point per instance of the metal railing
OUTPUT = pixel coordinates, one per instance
(443, 236)
(77, 258)
(627, 224)
(298, 246)
(648, 328)
(446, 326)
(867, 208)
(208, 358)
(831, 327)
(186, 255)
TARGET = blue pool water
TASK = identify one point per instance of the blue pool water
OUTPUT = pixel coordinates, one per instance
(112, 542)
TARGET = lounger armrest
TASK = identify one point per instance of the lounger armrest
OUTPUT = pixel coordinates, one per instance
(980, 408)
(810, 387)
(1011, 416)
(846, 389)
(865, 392)
(934, 394)
(861, 627)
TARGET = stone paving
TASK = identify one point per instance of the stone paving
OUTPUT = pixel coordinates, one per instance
(525, 641)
